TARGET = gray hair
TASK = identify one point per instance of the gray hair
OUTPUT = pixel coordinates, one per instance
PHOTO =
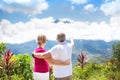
(61, 37)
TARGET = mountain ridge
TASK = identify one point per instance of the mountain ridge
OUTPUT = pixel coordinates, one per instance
(90, 47)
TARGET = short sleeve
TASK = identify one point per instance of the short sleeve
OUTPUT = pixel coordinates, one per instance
(53, 51)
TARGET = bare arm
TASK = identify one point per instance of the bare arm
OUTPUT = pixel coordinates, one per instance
(47, 56)
(57, 62)
(41, 55)
(72, 42)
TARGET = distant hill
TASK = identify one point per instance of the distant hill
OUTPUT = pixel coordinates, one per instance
(90, 47)
(63, 21)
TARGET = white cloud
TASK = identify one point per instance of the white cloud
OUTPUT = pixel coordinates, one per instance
(111, 7)
(30, 7)
(21, 32)
(17, 1)
(78, 1)
(90, 8)
(115, 20)
(115, 23)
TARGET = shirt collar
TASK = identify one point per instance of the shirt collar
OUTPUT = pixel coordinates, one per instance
(62, 42)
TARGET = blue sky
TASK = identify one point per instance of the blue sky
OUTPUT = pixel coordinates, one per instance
(57, 9)
(89, 19)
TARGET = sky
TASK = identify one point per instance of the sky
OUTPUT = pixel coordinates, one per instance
(24, 20)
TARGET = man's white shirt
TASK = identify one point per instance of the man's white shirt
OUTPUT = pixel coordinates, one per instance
(62, 51)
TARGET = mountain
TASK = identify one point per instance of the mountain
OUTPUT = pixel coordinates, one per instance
(65, 21)
(90, 47)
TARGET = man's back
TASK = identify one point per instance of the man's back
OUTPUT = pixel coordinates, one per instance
(62, 51)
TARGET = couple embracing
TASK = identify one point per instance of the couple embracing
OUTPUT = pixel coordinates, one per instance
(59, 56)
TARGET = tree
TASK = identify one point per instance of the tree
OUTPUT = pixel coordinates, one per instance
(116, 52)
(2, 48)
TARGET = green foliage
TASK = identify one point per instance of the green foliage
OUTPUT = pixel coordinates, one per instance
(6, 64)
(109, 70)
(116, 52)
(83, 74)
(24, 67)
(93, 71)
(21, 70)
(2, 48)
(51, 76)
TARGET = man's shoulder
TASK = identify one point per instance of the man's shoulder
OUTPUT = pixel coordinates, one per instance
(57, 45)
(68, 43)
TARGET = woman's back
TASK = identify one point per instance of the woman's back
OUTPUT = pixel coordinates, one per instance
(40, 65)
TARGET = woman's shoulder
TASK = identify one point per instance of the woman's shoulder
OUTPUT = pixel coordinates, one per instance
(40, 50)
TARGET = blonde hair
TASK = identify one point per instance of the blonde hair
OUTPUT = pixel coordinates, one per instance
(41, 39)
(61, 37)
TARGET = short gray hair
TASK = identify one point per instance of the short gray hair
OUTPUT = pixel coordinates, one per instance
(61, 37)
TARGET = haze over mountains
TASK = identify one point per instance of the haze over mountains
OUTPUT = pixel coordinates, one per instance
(90, 47)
